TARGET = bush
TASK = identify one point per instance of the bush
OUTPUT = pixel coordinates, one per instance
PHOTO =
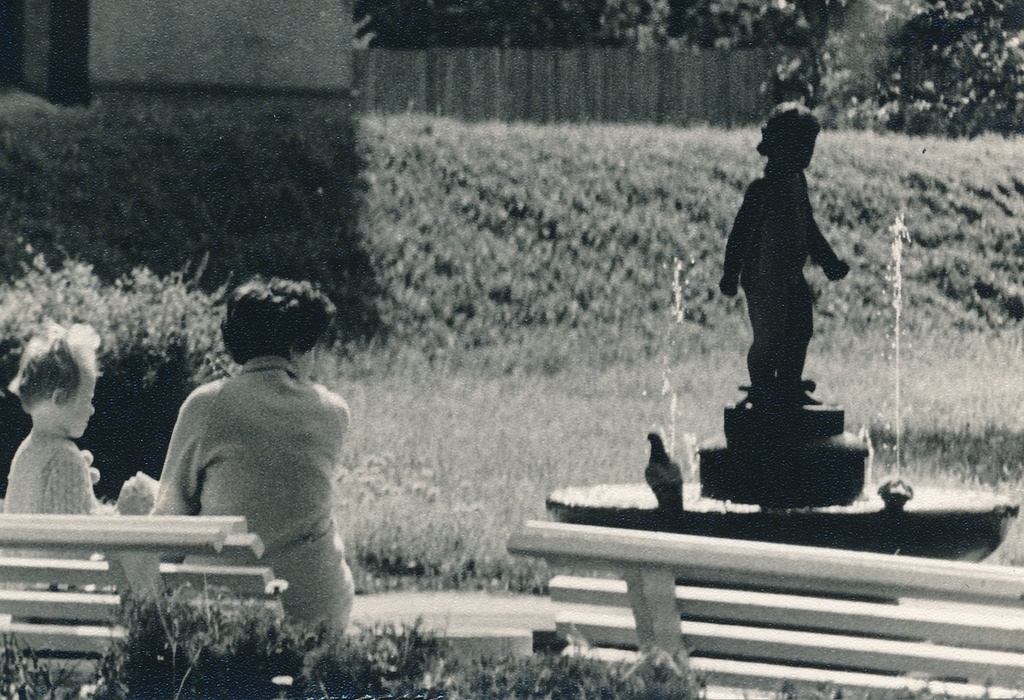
(225, 187)
(199, 647)
(400, 24)
(210, 646)
(483, 233)
(160, 339)
(957, 69)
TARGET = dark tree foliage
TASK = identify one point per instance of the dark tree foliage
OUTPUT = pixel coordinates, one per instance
(957, 68)
(725, 25)
(415, 24)
(799, 27)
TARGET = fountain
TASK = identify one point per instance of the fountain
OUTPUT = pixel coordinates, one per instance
(790, 472)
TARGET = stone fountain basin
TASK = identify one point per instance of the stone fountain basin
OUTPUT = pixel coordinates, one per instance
(936, 523)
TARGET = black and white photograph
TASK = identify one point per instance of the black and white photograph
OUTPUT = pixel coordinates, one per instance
(511, 349)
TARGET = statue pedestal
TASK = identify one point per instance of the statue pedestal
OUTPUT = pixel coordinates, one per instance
(784, 456)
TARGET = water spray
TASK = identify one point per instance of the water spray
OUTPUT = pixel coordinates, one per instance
(900, 233)
(896, 492)
(677, 311)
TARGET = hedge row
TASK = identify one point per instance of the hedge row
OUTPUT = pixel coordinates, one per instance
(478, 232)
(218, 187)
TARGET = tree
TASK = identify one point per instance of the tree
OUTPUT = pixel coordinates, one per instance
(799, 27)
(957, 68)
(525, 23)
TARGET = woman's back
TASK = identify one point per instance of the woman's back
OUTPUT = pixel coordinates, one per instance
(270, 452)
(265, 445)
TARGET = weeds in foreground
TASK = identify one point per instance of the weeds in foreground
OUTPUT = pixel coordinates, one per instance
(25, 677)
(214, 646)
(206, 648)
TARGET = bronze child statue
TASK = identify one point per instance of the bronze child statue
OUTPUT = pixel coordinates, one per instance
(771, 239)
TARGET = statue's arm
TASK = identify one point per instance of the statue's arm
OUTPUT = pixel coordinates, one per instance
(818, 247)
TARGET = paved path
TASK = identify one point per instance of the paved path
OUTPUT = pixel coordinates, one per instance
(450, 611)
(475, 623)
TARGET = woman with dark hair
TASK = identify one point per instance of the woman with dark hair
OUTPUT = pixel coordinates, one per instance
(265, 444)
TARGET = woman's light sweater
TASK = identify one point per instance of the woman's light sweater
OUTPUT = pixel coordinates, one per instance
(265, 444)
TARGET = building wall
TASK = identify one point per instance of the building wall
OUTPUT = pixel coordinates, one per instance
(36, 45)
(260, 44)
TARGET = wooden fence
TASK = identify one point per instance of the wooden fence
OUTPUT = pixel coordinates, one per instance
(722, 88)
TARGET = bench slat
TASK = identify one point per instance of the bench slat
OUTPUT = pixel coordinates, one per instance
(60, 538)
(75, 639)
(978, 627)
(243, 580)
(243, 547)
(811, 648)
(753, 675)
(250, 581)
(63, 605)
(750, 564)
(226, 523)
(172, 543)
(74, 572)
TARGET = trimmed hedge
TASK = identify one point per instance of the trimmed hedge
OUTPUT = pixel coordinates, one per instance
(218, 187)
(481, 232)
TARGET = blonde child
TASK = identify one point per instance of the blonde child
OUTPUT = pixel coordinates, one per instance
(55, 383)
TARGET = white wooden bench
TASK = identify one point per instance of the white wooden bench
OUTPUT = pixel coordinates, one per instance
(62, 577)
(753, 613)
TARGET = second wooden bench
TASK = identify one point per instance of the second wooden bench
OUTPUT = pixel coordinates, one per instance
(750, 613)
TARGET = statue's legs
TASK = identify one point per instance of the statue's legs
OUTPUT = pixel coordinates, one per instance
(767, 307)
(782, 323)
(792, 353)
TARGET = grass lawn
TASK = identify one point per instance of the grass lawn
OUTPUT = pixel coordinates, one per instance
(444, 462)
(552, 249)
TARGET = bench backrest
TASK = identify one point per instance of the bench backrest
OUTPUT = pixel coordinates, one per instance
(62, 577)
(767, 565)
(795, 607)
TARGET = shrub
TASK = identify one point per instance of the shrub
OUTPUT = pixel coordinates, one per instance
(484, 233)
(199, 647)
(381, 660)
(210, 646)
(957, 69)
(160, 339)
(224, 186)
